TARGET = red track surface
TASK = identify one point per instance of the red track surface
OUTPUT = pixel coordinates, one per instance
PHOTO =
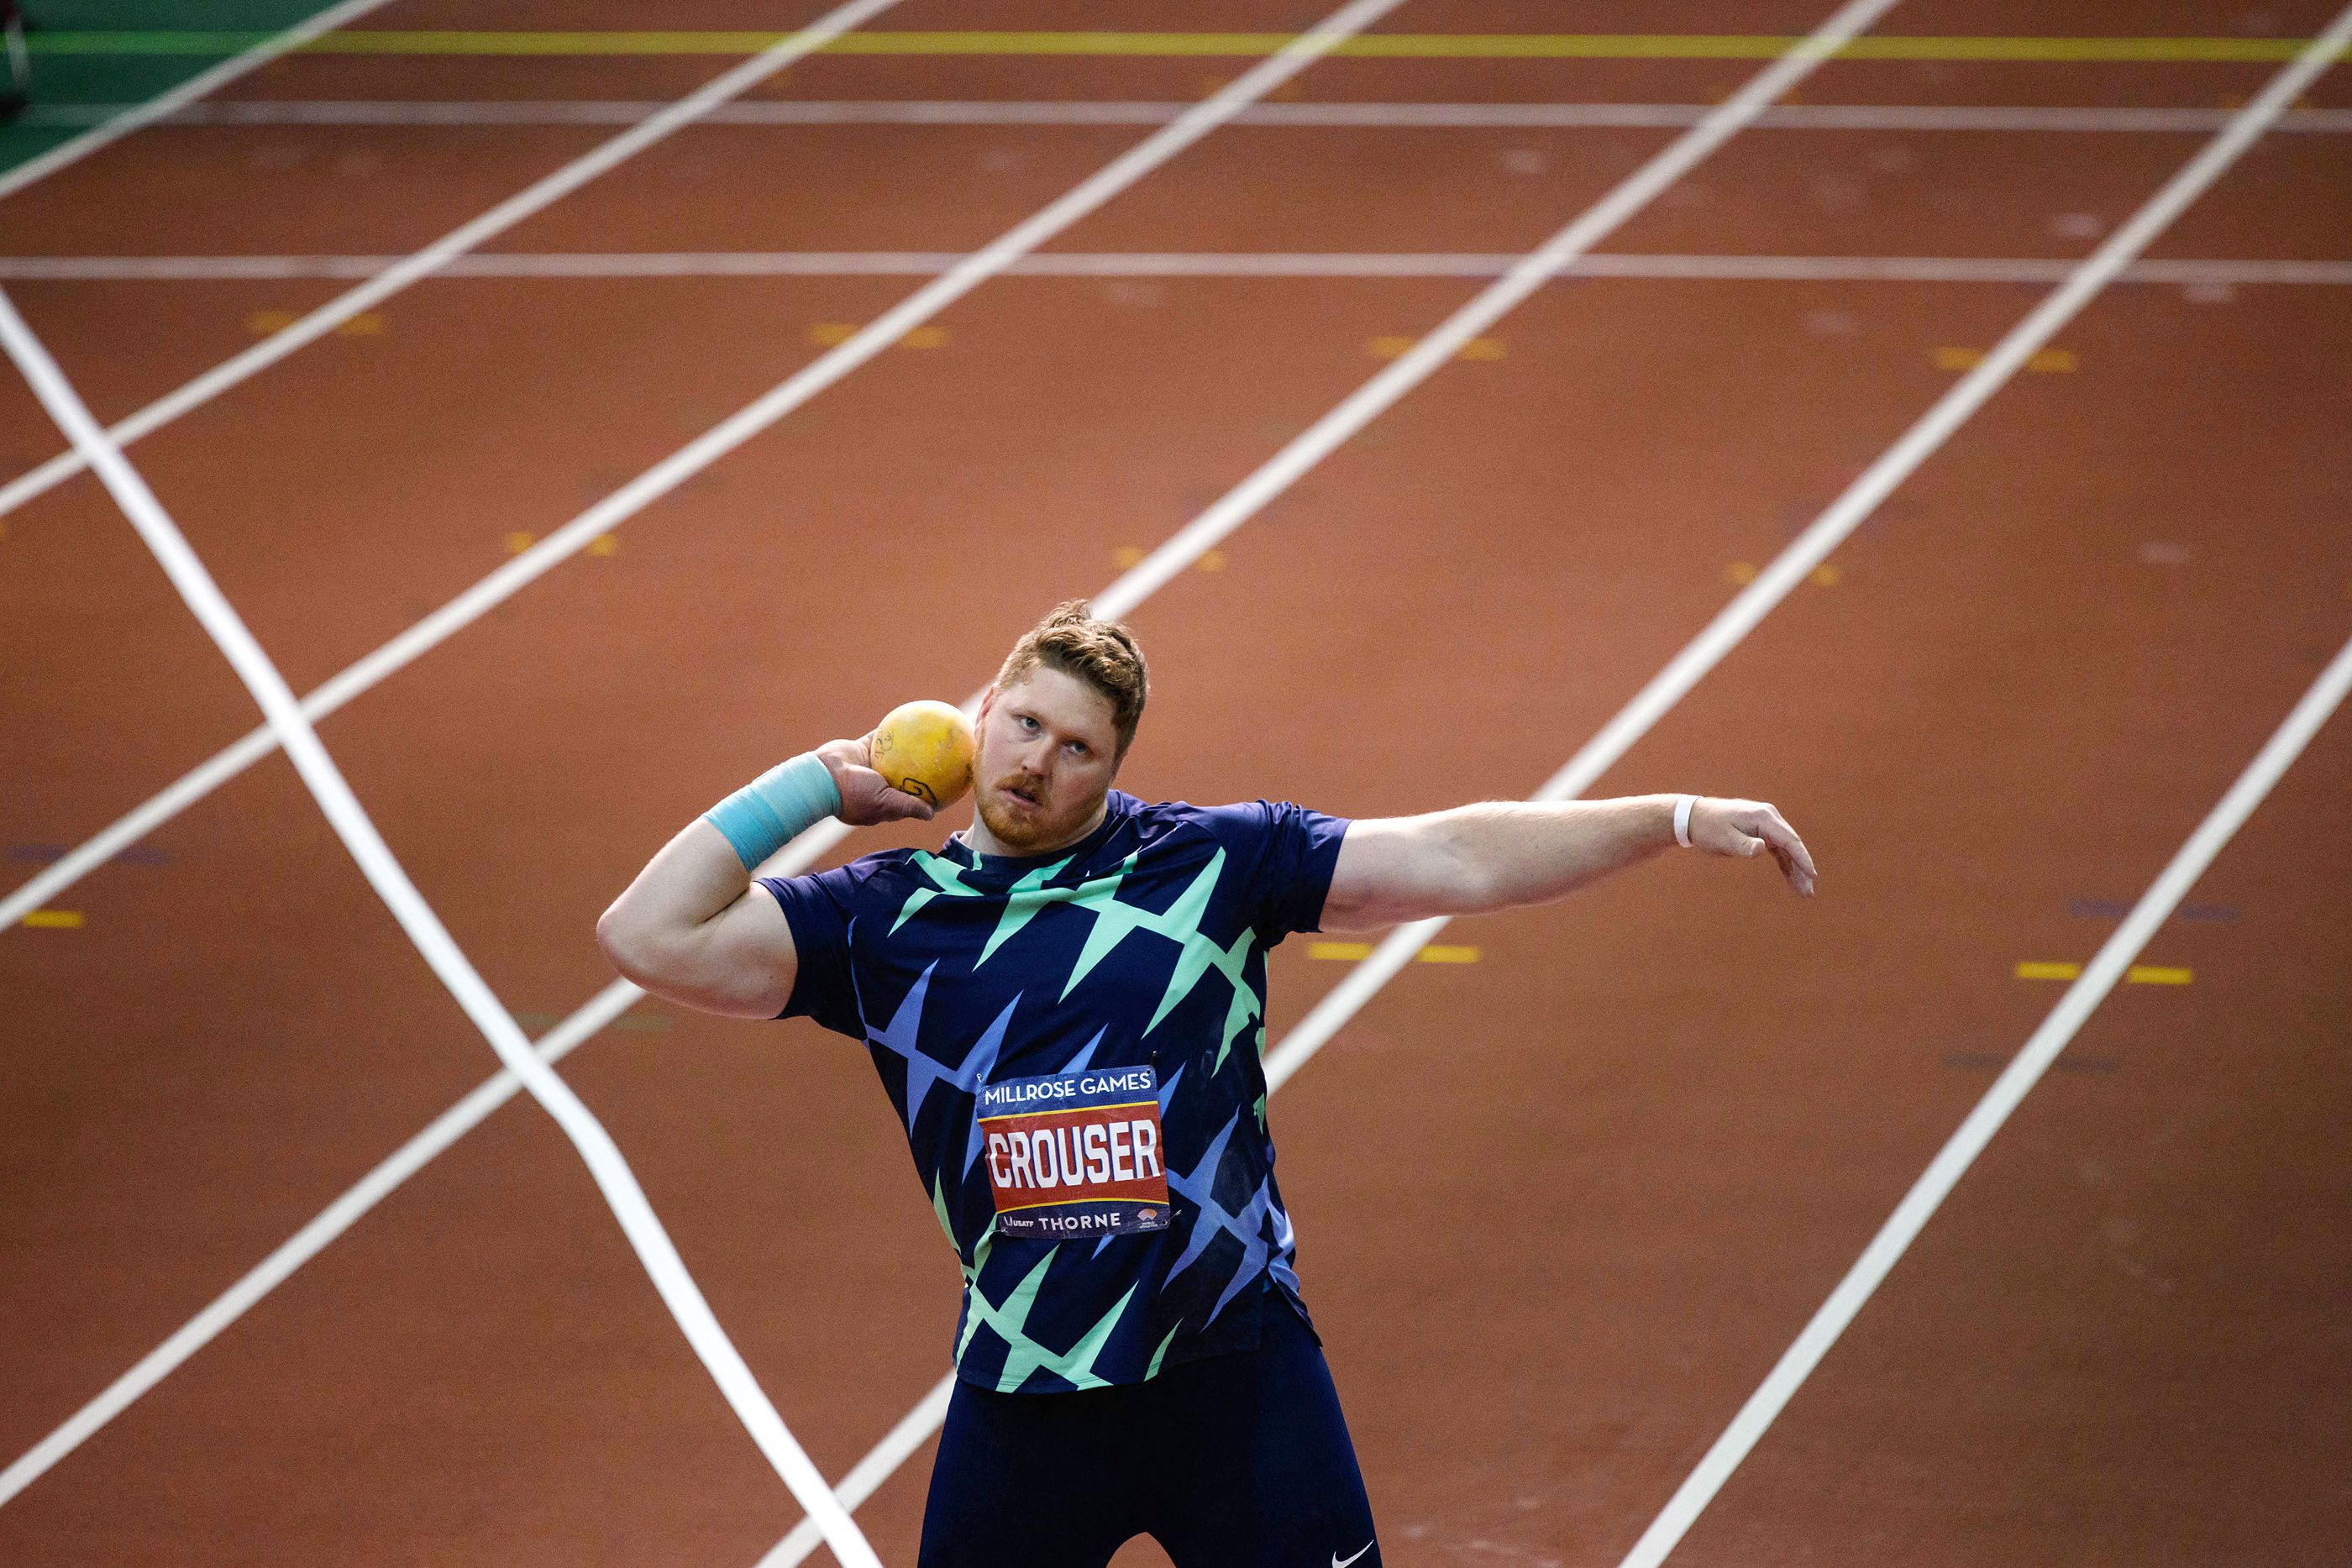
(1560, 1209)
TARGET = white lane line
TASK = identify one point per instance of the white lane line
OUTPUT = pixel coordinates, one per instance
(1359, 409)
(1490, 304)
(1699, 1488)
(2025, 1070)
(533, 198)
(121, 120)
(865, 1478)
(1468, 116)
(617, 997)
(1826, 532)
(2113, 960)
(440, 951)
(1164, 264)
(968, 273)
(1752, 604)
(292, 1253)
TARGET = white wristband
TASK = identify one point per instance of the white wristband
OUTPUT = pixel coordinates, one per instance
(1683, 805)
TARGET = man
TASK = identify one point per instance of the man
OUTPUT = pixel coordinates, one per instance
(1066, 1004)
(16, 83)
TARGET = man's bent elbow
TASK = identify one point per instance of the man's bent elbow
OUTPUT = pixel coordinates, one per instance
(627, 947)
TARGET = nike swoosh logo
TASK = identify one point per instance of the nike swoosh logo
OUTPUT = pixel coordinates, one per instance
(1340, 1562)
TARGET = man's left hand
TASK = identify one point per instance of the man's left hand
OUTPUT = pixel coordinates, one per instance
(1748, 829)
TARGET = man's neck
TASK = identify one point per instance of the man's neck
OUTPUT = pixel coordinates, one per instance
(981, 842)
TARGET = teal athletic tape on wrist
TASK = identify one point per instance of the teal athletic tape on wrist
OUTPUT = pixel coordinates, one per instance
(776, 808)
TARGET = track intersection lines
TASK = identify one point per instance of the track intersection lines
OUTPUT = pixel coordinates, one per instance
(1956, 660)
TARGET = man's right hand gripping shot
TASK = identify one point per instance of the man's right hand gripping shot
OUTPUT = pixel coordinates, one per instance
(1066, 1003)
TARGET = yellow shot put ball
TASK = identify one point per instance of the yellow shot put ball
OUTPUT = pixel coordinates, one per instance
(925, 749)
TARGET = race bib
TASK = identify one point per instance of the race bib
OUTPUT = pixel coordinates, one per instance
(1077, 1155)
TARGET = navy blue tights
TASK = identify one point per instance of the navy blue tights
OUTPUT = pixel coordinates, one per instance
(1237, 1461)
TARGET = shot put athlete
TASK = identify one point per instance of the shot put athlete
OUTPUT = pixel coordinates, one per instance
(1066, 1004)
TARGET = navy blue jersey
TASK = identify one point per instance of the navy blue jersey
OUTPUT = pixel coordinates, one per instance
(1072, 1043)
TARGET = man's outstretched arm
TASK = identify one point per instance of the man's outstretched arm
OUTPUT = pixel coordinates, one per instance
(693, 929)
(1501, 853)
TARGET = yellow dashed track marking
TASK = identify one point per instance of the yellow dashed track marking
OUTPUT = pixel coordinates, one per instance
(831, 334)
(2048, 362)
(602, 544)
(1825, 575)
(2137, 975)
(1355, 952)
(1128, 556)
(262, 323)
(1390, 348)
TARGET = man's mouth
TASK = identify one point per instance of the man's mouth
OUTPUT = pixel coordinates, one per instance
(1021, 793)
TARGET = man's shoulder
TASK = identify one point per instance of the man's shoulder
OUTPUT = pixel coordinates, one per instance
(1252, 833)
(1233, 817)
(845, 882)
(1156, 820)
